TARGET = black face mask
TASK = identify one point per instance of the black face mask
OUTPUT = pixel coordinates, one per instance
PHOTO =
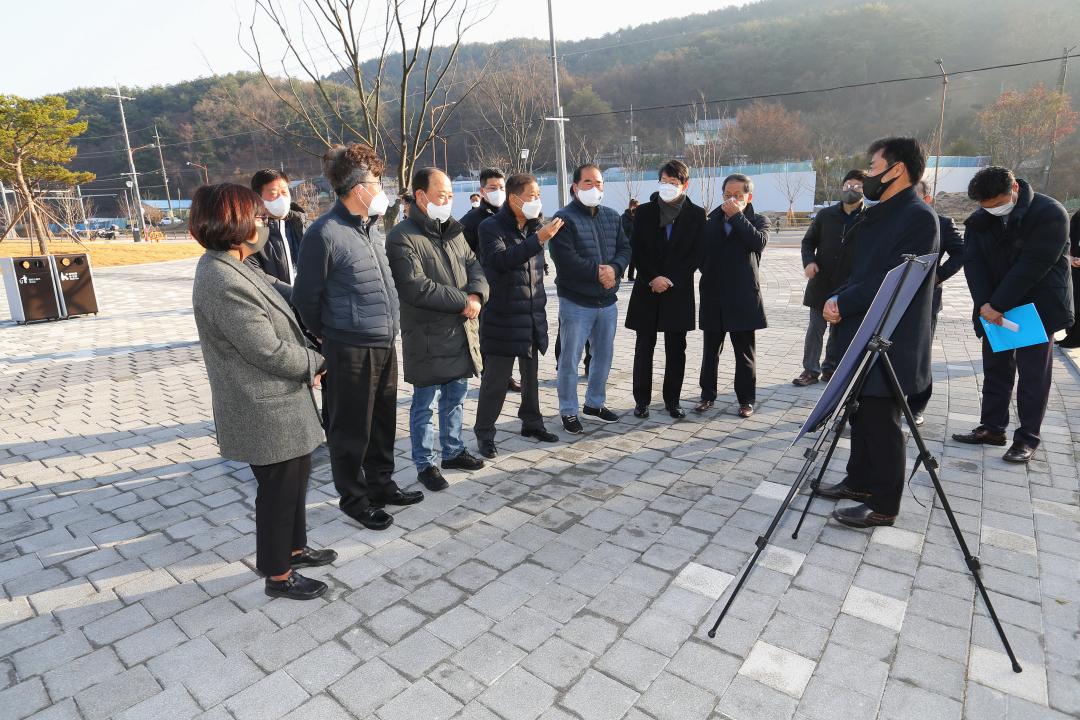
(872, 186)
(851, 196)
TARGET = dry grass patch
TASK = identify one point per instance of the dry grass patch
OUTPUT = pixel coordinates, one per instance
(110, 254)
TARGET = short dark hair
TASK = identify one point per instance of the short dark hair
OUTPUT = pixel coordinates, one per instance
(223, 215)
(518, 182)
(906, 150)
(421, 179)
(473, 195)
(748, 184)
(346, 166)
(266, 176)
(990, 182)
(675, 169)
(855, 175)
(582, 168)
(488, 173)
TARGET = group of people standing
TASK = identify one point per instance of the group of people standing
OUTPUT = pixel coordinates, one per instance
(284, 309)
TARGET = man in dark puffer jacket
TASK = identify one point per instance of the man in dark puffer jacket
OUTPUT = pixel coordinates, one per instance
(513, 324)
(345, 295)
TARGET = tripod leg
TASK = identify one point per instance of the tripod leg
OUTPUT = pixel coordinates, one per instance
(763, 539)
(837, 431)
(971, 561)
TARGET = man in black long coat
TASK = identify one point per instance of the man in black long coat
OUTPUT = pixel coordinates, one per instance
(1016, 252)
(952, 244)
(513, 323)
(828, 251)
(1072, 337)
(666, 252)
(731, 302)
(900, 224)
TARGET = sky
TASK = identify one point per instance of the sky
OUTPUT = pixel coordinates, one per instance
(158, 42)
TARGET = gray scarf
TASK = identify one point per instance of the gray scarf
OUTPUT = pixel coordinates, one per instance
(669, 212)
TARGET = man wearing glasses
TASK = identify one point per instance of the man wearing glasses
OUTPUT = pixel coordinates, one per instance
(345, 294)
(828, 251)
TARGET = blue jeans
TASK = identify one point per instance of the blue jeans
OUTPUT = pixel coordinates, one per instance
(451, 399)
(577, 324)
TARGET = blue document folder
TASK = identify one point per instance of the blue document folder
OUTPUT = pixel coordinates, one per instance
(1024, 328)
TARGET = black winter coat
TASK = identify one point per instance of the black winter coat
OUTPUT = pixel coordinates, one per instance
(514, 320)
(272, 259)
(470, 224)
(730, 287)
(654, 255)
(901, 225)
(830, 242)
(1021, 259)
(435, 272)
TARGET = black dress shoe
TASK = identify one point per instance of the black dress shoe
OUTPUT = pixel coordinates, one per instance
(704, 405)
(641, 411)
(309, 557)
(540, 434)
(487, 449)
(432, 479)
(676, 412)
(398, 497)
(1068, 343)
(463, 461)
(746, 410)
(295, 587)
(373, 518)
(861, 516)
(513, 386)
(980, 436)
(841, 491)
(1018, 453)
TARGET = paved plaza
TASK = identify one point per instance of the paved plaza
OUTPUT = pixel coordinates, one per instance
(562, 581)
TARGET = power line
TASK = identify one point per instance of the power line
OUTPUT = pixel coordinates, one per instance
(620, 111)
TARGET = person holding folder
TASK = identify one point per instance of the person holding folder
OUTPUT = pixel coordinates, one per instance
(1016, 252)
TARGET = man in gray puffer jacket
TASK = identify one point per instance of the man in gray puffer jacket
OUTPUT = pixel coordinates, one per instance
(345, 295)
(441, 285)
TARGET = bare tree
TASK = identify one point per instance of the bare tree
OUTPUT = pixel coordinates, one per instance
(631, 163)
(306, 194)
(512, 105)
(791, 185)
(582, 150)
(485, 154)
(353, 100)
(707, 153)
(66, 208)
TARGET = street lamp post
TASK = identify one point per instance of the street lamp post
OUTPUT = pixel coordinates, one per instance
(205, 172)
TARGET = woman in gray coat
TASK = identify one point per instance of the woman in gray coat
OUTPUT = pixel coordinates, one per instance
(261, 376)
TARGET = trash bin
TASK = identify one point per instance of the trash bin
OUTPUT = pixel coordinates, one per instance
(31, 289)
(76, 284)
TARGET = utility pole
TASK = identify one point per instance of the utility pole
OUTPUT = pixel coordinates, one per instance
(82, 208)
(941, 122)
(559, 120)
(141, 229)
(1053, 138)
(164, 177)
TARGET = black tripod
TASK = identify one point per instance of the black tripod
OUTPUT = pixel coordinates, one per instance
(876, 351)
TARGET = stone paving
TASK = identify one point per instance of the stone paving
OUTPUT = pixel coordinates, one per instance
(573, 580)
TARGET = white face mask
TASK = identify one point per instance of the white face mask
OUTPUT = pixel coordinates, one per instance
(439, 212)
(278, 207)
(378, 204)
(1001, 210)
(531, 209)
(590, 197)
(495, 198)
(669, 193)
(475, 203)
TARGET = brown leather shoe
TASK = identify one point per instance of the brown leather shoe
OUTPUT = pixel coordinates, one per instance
(980, 436)
(746, 411)
(513, 386)
(1018, 453)
(826, 376)
(841, 491)
(704, 405)
(806, 379)
(861, 516)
